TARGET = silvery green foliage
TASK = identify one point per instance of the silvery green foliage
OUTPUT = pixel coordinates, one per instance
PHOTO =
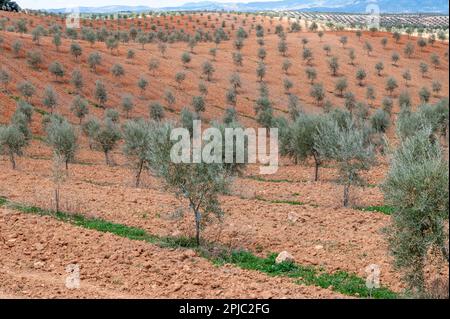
(186, 118)
(12, 142)
(199, 184)
(235, 168)
(22, 122)
(127, 104)
(113, 115)
(380, 121)
(79, 107)
(5, 77)
(294, 107)
(26, 89)
(61, 136)
(417, 187)
(434, 116)
(57, 69)
(100, 93)
(137, 136)
(117, 70)
(230, 116)
(156, 111)
(90, 129)
(298, 139)
(208, 70)
(94, 60)
(107, 137)
(348, 146)
(77, 79)
(50, 98)
(198, 103)
(26, 109)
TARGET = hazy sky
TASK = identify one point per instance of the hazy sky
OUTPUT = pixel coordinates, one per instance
(47, 4)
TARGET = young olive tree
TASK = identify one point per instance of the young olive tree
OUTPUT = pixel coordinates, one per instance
(298, 140)
(79, 108)
(137, 136)
(12, 142)
(107, 137)
(61, 136)
(100, 93)
(417, 187)
(347, 146)
(199, 184)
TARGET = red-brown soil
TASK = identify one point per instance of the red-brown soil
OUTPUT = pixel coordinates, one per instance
(323, 233)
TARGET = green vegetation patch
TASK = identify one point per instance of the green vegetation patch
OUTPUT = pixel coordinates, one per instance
(342, 282)
(280, 201)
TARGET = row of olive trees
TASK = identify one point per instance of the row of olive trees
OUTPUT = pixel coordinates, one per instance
(337, 136)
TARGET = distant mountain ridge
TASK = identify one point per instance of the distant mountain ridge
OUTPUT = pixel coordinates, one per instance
(348, 6)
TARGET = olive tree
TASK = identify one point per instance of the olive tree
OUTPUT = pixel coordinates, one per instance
(208, 70)
(117, 70)
(127, 104)
(50, 98)
(423, 67)
(107, 137)
(156, 111)
(94, 60)
(380, 121)
(5, 79)
(261, 71)
(318, 92)
(100, 93)
(77, 80)
(391, 85)
(57, 70)
(341, 85)
(297, 140)
(198, 184)
(361, 76)
(286, 65)
(347, 146)
(79, 108)
(186, 59)
(395, 58)
(26, 89)
(12, 142)
(62, 138)
(137, 139)
(142, 84)
(76, 50)
(416, 187)
(34, 59)
(333, 65)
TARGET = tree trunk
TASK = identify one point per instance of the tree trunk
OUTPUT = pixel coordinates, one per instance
(57, 199)
(346, 195)
(317, 163)
(67, 164)
(106, 158)
(197, 227)
(138, 173)
(316, 171)
(12, 159)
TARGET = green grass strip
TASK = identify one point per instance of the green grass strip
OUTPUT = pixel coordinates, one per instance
(280, 201)
(261, 179)
(342, 282)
